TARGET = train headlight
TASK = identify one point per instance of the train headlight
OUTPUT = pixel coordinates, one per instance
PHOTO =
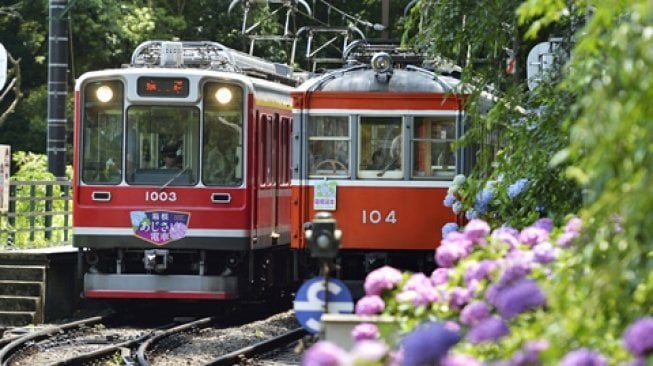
(104, 93)
(223, 95)
(381, 62)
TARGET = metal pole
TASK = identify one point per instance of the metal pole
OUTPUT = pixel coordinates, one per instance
(57, 87)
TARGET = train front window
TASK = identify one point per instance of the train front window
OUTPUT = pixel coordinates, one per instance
(380, 148)
(101, 144)
(222, 151)
(162, 145)
(433, 156)
(328, 146)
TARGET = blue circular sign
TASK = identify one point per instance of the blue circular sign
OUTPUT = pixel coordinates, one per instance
(311, 299)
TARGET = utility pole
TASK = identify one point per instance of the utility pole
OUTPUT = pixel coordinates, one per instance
(57, 87)
(385, 18)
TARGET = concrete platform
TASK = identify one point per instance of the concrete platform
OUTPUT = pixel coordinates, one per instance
(38, 285)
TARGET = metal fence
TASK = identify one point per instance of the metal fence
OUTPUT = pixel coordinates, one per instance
(39, 215)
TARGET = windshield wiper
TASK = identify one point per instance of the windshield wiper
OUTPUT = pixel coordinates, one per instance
(172, 179)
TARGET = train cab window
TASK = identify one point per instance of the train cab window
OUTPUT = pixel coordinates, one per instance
(102, 136)
(432, 141)
(222, 149)
(380, 148)
(162, 145)
(329, 146)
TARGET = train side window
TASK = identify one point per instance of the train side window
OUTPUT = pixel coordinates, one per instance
(380, 148)
(329, 146)
(432, 141)
(102, 133)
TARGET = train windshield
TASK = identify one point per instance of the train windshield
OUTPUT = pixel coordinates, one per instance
(222, 156)
(162, 145)
(102, 134)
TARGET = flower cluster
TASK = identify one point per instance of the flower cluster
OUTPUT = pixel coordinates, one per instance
(486, 280)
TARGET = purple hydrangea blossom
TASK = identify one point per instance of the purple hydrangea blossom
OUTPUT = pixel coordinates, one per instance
(574, 225)
(384, 278)
(474, 312)
(460, 360)
(427, 344)
(533, 235)
(370, 305)
(364, 331)
(518, 298)
(449, 252)
(488, 330)
(565, 239)
(419, 290)
(517, 188)
(544, 223)
(368, 351)
(476, 230)
(544, 253)
(459, 297)
(529, 355)
(449, 200)
(440, 276)
(507, 235)
(514, 270)
(325, 353)
(583, 357)
(479, 271)
(637, 337)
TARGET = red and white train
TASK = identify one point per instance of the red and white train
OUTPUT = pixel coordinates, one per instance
(197, 168)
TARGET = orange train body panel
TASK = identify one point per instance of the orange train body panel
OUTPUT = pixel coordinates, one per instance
(383, 217)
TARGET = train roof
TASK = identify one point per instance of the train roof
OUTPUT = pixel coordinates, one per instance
(364, 78)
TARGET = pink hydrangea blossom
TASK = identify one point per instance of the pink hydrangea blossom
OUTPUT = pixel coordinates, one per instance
(384, 278)
(370, 305)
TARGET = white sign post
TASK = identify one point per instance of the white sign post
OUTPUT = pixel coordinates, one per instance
(5, 164)
(3, 66)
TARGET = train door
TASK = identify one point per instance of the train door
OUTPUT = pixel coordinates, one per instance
(266, 220)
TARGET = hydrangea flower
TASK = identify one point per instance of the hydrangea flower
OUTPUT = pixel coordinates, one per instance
(533, 235)
(368, 351)
(529, 355)
(488, 330)
(478, 271)
(384, 278)
(459, 297)
(449, 228)
(544, 223)
(370, 305)
(637, 337)
(483, 199)
(544, 253)
(474, 312)
(440, 276)
(517, 188)
(325, 353)
(583, 357)
(364, 331)
(419, 290)
(471, 214)
(459, 180)
(449, 200)
(507, 235)
(460, 360)
(476, 230)
(518, 298)
(457, 207)
(427, 344)
(574, 225)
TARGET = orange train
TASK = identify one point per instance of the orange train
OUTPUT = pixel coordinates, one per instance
(197, 168)
(374, 146)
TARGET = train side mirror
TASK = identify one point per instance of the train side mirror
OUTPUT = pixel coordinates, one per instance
(323, 236)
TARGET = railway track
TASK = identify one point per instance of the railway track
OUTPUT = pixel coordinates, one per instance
(193, 342)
